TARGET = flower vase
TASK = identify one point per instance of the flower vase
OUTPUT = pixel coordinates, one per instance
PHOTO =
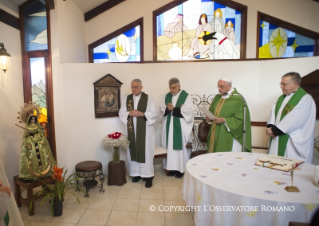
(57, 208)
(116, 155)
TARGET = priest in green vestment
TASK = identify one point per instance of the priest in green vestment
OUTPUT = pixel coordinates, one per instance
(138, 113)
(227, 130)
(177, 124)
(291, 124)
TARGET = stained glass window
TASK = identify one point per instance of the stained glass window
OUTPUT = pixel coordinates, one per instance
(278, 42)
(38, 89)
(199, 30)
(35, 26)
(125, 47)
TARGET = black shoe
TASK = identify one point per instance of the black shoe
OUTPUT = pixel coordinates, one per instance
(172, 173)
(148, 184)
(179, 175)
(136, 179)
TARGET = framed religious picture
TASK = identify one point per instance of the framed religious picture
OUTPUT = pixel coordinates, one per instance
(107, 96)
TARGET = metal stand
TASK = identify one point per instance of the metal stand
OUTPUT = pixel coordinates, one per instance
(89, 180)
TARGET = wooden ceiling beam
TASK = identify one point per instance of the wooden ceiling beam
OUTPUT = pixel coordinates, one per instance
(101, 9)
(50, 3)
(9, 19)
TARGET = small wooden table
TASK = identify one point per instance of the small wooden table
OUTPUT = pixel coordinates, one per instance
(117, 173)
(29, 185)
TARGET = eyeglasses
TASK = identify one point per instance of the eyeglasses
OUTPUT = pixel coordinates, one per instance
(221, 87)
(285, 84)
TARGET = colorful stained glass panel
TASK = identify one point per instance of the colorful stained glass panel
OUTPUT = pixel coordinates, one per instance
(35, 26)
(185, 32)
(278, 42)
(38, 89)
(123, 48)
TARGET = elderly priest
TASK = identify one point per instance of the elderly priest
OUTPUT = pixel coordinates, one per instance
(227, 131)
(291, 124)
(138, 112)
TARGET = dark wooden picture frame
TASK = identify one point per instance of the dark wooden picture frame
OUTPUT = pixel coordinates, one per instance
(235, 5)
(117, 33)
(107, 96)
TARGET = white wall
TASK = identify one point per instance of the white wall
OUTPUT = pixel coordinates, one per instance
(83, 133)
(72, 45)
(9, 7)
(302, 13)
(11, 99)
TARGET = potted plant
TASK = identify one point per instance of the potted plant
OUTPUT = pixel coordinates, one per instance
(58, 190)
(116, 140)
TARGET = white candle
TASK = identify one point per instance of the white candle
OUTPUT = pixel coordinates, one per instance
(316, 176)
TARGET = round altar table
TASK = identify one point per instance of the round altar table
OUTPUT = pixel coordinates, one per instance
(227, 188)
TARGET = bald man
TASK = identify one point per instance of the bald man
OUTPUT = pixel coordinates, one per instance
(226, 133)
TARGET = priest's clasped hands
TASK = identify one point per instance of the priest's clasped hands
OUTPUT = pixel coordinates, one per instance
(170, 107)
(217, 120)
(136, 113)
(270, 133)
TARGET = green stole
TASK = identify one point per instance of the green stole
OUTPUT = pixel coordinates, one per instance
(6, 219)
(293, 101)
(137, 149)
(177, 129)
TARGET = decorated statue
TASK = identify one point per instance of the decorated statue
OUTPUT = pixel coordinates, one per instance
(36, 156)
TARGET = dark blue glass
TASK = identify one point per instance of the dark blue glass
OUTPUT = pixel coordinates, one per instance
(35, 26)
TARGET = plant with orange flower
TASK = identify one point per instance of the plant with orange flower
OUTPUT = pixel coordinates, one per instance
(59, 189)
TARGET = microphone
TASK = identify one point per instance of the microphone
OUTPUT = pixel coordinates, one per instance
(224, 94)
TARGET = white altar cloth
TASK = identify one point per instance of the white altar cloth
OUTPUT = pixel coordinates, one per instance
(227, 189)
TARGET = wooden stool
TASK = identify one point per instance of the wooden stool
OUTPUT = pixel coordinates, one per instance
(29, 185)
(87, 170)
(117, 173)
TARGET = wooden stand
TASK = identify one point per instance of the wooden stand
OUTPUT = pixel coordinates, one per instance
(117, 173)
(29, 185)
(292, 189)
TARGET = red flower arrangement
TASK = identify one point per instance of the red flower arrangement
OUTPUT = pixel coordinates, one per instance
(115, 135)
(57, 173)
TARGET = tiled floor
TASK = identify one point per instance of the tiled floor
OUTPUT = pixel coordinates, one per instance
(118, 205)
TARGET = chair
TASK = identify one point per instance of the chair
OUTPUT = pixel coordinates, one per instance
(202, 133)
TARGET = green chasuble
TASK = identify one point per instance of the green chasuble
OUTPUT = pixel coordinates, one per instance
(177, 129)
(137, 141)
(232, 109)
(293, 101)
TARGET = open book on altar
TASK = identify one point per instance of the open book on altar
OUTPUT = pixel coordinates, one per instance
(278, 162)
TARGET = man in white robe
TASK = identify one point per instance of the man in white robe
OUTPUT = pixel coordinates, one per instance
(140, 155)
(177, 124)
(291, 124)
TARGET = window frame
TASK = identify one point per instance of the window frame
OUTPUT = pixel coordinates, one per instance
(289, 26)
(237, 6)
(26, 73)
(117, 33)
